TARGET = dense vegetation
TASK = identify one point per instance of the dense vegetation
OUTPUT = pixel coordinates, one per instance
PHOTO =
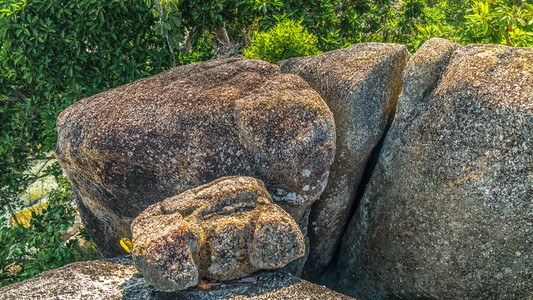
(53, 53)
(287, 39)
(43, 244)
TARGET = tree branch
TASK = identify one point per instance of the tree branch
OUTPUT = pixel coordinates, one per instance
(40, 158)
(506, 35)
(35, 177)
(12, 99)
(20, 96)
(33, 180)
(222, 35)
(161, 13)
(171, 52)
(13, 214)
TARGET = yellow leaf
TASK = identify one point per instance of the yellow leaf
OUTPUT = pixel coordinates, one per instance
(24, 216)
(126, 244)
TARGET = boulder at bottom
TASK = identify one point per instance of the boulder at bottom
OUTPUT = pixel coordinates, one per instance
(118, 279)
(222, 230)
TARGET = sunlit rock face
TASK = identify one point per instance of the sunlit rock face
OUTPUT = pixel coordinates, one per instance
(448, 212)
(361, 85)
(143, 142)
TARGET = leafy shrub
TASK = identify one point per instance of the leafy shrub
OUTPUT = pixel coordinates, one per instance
(285, 40)
(53, 53)
(507, 22)
(26, 252)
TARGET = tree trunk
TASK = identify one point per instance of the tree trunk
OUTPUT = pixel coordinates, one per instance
(13, 214)
(161, 14)
(222, 35)
(506, 34)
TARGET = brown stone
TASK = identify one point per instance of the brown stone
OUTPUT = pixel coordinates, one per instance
(143, 142)
(222, 230)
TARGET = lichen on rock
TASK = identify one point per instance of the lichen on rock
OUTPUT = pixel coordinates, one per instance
(222, 230)
(360, 85)
(448, 212)
(138, 144)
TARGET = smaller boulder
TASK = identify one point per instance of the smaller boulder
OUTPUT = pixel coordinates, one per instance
(222, 230)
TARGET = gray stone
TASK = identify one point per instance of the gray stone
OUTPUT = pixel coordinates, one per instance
(361, 85)
(81, 280)
(143, 142)
(118, 279)
(448, 212)
(222, 230)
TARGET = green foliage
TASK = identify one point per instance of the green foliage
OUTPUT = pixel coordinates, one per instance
(339, 23)
(216, 23)
(394, 24)
(508, 22)
(499, 22)
(198, 16)
(331, 21)
(25, 252)
(336, 23)
(54, 53)
(285, 40)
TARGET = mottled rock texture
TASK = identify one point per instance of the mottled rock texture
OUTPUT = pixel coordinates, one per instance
(143, 142)
(118, 279)
(448, 212)
(81, 280)
(361, 85)
(222, 230)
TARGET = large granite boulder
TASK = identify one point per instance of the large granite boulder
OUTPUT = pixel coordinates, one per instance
(448, 213)
(222, 230)
(118, 279)
(143, 142)
(361, 85)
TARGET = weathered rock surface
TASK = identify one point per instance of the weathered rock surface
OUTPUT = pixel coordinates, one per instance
(361, 85)
(222, 230)
(141, 143)
(448, 212)
(118, 279)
